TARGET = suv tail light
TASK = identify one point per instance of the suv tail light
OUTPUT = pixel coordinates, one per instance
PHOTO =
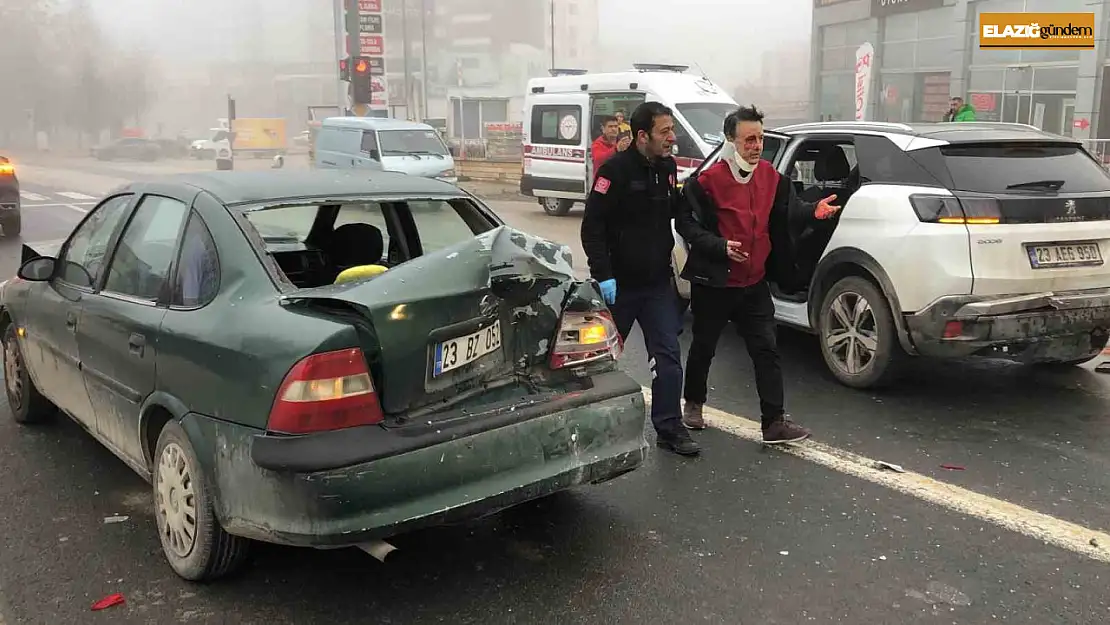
(328, 391)
(947, 209)
(584, 338)
(7, 169)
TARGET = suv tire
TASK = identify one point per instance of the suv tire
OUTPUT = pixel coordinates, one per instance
(867, 353)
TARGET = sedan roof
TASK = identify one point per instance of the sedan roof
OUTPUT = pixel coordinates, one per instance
(251, 187)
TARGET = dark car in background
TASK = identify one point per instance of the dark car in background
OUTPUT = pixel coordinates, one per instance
(10, 216)
(202, 329)
(129, 148)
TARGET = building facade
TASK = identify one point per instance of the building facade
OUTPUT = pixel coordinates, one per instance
(928, 50)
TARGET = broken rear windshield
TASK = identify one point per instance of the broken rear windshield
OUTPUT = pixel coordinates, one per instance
(1023, 168)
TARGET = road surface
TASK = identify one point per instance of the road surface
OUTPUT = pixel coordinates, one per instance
(1015, 531)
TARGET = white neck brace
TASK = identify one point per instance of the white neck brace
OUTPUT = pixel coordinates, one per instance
(741, 169)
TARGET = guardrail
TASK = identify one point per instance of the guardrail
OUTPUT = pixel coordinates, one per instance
(1100, 149)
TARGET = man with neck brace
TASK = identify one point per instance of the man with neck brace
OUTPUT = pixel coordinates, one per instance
(737, 216)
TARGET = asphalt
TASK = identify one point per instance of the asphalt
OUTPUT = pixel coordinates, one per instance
(740, 535)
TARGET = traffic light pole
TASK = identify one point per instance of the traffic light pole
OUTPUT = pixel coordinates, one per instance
(354, 42)
(340, 53)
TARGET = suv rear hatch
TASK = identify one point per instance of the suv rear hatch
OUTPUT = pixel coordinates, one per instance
(461, 321)
(1037, 212)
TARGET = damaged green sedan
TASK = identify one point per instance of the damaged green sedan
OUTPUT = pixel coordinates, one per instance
(319, 359)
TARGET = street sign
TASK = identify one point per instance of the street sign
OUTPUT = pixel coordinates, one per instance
(1082, 123)
(369, 6)
(370, 23)
(377, 65)
(371, 45)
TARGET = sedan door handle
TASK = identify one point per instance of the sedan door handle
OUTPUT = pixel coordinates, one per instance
(136, 344)
(71, 321)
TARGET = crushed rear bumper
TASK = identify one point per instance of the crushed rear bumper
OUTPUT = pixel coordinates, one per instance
(1036, 327)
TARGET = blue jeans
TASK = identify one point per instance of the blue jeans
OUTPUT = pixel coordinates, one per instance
(655, 308)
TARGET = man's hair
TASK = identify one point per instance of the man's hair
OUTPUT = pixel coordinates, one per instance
(621, 111)
(956, 97)
(742, 114)
(609, 119)
(643, 118)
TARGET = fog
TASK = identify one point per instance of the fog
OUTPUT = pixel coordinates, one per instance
(167, 67)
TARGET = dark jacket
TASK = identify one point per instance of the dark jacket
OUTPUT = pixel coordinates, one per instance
(626, 231)
(707, 262)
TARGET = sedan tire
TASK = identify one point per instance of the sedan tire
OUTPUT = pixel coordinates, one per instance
(195, 544)
(24, 399)
(859, 340)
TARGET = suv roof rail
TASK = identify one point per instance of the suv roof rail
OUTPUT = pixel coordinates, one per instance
(849, 124)
(988, 124)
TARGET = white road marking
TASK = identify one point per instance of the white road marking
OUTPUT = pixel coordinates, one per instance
(76, 208)
(68, 205)
(73, 195)
(32, 197)
(1092, 543)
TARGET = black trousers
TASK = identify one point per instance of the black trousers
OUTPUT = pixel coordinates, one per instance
(753, 312)
(655, 308)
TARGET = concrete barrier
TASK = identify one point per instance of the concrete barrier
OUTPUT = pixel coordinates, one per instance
(486, 170)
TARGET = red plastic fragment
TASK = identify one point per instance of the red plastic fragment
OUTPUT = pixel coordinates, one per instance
(952, 467)
(108, 602)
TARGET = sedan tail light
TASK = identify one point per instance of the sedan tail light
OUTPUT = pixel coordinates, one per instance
(584, 338)
(328, 391)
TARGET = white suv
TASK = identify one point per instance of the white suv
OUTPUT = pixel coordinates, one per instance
(965, 239)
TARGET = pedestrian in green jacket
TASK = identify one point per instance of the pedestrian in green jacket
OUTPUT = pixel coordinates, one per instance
(960, 112)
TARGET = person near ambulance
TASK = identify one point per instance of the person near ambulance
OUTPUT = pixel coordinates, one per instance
(959, 112)
(737, 217)
(608, 143)
(627, 238)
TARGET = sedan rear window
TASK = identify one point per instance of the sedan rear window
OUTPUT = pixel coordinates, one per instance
(313, 243)
(1023, 167)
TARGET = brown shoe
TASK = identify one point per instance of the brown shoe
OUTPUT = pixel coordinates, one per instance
(692, 416)
(784, 431)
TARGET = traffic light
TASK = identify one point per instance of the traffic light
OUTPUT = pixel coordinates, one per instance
(361, 90)
(345, 69)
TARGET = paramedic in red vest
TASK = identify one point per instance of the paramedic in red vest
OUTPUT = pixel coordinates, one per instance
(607, 144)
(627, 238)
(737, 216)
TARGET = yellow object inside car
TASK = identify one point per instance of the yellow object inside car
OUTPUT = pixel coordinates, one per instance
(359, 272)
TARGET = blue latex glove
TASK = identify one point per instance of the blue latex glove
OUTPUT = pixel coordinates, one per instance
(609, 291)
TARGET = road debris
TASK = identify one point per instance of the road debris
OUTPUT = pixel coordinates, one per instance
(889, 466)
(108, 602)
(115, 519)
(952, 467)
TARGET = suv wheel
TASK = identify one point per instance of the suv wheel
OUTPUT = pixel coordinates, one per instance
(193, 541)
(858, 338)
(556, 207)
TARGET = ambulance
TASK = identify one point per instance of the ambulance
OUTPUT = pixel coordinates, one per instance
(563, 114)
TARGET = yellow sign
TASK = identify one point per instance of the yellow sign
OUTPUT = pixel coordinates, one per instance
(1024, 31)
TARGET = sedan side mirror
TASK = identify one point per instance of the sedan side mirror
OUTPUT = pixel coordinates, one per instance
(37, 269)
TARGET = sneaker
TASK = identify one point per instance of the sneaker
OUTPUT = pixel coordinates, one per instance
(679, 443)
(784, 431)
(693, 417)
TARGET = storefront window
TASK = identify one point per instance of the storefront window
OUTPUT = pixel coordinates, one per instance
(914, 97)
(837, 99)
(917, 40)
(839, 43)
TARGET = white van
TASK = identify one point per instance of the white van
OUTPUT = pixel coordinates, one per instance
(563, 113)
(395, 145)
